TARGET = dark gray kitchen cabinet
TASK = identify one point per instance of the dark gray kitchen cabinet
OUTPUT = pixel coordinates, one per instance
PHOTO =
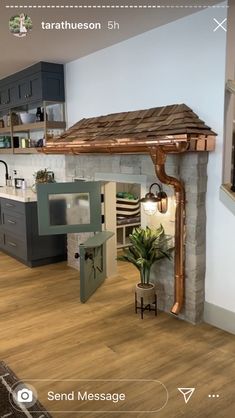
(19, 235)
(9, 95)
(30, 88)
(53, 86)
(41, 82)
(24, 89)
(14, 93)
(4, 96)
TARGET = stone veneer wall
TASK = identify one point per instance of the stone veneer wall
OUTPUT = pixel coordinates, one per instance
(192, 169)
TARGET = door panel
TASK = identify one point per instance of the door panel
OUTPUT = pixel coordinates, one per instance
(25, 89)
(14, 94)
(76, 207)
(36, 87)
(53, 86)
(93, 264)
(69, 207)
(92, 271)
(5, 96)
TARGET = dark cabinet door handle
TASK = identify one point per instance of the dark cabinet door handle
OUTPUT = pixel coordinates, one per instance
(11, 222)
(12, 244)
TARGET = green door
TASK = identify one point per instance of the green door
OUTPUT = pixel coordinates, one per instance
(69, 207)
(93, 264)
(76, 207)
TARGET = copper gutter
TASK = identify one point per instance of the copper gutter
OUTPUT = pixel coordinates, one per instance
(110, 146)
(159, 155)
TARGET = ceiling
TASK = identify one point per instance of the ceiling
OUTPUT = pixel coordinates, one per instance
(67, 45)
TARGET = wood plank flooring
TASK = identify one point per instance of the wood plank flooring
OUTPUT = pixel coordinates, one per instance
(46, 333)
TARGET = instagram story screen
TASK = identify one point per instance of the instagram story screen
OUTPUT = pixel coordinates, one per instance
(117, 182)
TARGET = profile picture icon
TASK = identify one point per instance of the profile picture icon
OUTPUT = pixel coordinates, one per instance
(20, 25)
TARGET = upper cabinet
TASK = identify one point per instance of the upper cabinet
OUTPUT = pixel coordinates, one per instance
(30, 88)
(41, 82)
(4, 96)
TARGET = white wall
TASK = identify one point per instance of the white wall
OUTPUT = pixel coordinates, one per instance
(180, 62)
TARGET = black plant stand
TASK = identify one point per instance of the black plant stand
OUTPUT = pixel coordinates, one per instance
(147, 307)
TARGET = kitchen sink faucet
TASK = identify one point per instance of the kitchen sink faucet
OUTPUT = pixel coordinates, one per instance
(6, 167)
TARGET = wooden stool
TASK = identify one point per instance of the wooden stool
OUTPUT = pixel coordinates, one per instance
(143, 307)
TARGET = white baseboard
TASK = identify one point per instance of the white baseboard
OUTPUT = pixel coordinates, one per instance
(219, 317)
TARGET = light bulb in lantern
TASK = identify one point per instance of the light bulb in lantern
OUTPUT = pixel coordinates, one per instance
(150, 207)
(149, 203)
(152, 202)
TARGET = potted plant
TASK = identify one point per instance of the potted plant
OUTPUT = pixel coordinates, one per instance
(43, 176)
(147, 247)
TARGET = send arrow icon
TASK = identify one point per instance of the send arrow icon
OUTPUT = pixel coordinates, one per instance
(187, 393)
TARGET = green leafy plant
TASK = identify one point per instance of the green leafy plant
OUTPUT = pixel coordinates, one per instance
(44, 176)
(147, 247)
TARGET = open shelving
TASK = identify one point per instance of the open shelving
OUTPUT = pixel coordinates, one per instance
(6, 130)
(38, 126)
(6, 151)
(28, 130)
(123, 232)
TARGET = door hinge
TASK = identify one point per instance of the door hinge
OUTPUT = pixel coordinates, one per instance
(102, 197)
(102, 219)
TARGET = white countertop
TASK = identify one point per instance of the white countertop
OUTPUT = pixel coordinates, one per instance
(18, 194)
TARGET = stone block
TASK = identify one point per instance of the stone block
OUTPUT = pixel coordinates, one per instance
(195, 214)
(192, 174)
(194, 261)
(194, 249)
(130, 164)
(195, 233)
(195, 280)
(195, 198)
(193, 158)
(192, 296)
(194, 313)
(115, 164)
(196, 187)
(147, 166)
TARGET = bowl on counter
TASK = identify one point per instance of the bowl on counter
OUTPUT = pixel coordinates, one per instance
(27, 117)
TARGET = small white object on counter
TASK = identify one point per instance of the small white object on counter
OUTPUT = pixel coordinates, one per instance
(20, 195)
(24, 185)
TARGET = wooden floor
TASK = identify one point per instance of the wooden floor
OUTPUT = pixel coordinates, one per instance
(46, 333)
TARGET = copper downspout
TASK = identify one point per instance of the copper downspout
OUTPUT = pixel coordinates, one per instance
(158, 155)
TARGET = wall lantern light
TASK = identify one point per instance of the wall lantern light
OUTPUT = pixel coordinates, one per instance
(152, 202)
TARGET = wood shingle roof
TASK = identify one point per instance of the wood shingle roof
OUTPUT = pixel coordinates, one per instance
(158, 121)
(135, 131)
